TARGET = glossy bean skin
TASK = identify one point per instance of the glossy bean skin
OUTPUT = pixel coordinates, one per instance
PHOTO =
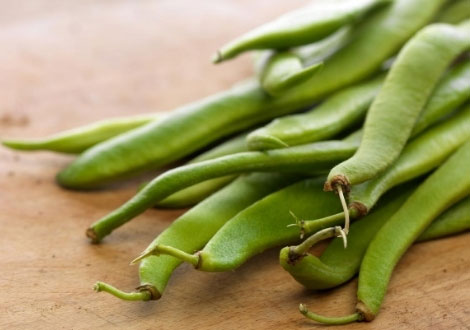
(455, 12)
(446, 186)
(299, 27)
(390, 119)
(312, 158)
(194, 194)
(261, 226)
(248, 104)
(204, 219)
(449, 184)
(77, 140)
(420, 156)
(338, 265)
(340, 111)
(284, 70)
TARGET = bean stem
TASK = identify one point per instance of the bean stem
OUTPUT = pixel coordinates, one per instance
(158, 249)
(329, 320)
(143, 295)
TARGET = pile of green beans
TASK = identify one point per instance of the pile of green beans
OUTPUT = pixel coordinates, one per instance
(367, 98)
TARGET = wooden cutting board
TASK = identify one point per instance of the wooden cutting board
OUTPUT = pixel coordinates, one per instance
(67, 63)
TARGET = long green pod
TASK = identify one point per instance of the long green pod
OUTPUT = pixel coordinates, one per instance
(420, 156)
(196, 193)
(261, 226)
(246, 105)
(205, 219)
(455, 12)
(449, 184)
(338, 265)
(390, 119)
(340, 111)
(300, 27)
(284, 70)
(76, 140)
(450, 93)
(312, 158)
(349, 105)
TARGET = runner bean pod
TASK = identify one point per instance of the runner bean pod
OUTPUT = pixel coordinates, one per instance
(79, 139)
(205, 219)
(300, 27)
(338, 265)
(419, 157)
(340, 111)
(390, 119)
(449, 184)
(315, 157)
(248, 104)
(196, 193)
(261, 226)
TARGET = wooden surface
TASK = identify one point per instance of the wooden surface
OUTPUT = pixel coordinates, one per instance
(67, 63)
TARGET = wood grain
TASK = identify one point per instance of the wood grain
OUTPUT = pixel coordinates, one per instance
(66, 63)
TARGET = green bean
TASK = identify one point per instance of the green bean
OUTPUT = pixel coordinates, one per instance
(450, 93)
(246, 105)
(257, 228)
(340, 111)
(300, 27)
(196, 193)
(449, 184)
(283, 71)
(312, 158)
(420, 156)
(454, 220)
(205, 219)
(321, 50)
(456, 12)
(390, 119)
(338, 265)
(78, 139)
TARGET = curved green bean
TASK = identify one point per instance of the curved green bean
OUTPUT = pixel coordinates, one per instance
(420, 156)
(449, 184)
(338, 265)
(76, 140)
(205, 219)
(300, 27)
(343, 109)
(196, 193)
(391, 119)
(248, 104)
(312, 158)
(261, 226)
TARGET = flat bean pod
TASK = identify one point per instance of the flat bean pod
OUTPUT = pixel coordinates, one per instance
(340, 111)
(205, 219)
(261, 226)
(420, 156)
(338, 265)
(449, 184)
(391, 119)
(77, 140)
(300, 27)
(312, 158)
(158, 144)
(196, 193)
